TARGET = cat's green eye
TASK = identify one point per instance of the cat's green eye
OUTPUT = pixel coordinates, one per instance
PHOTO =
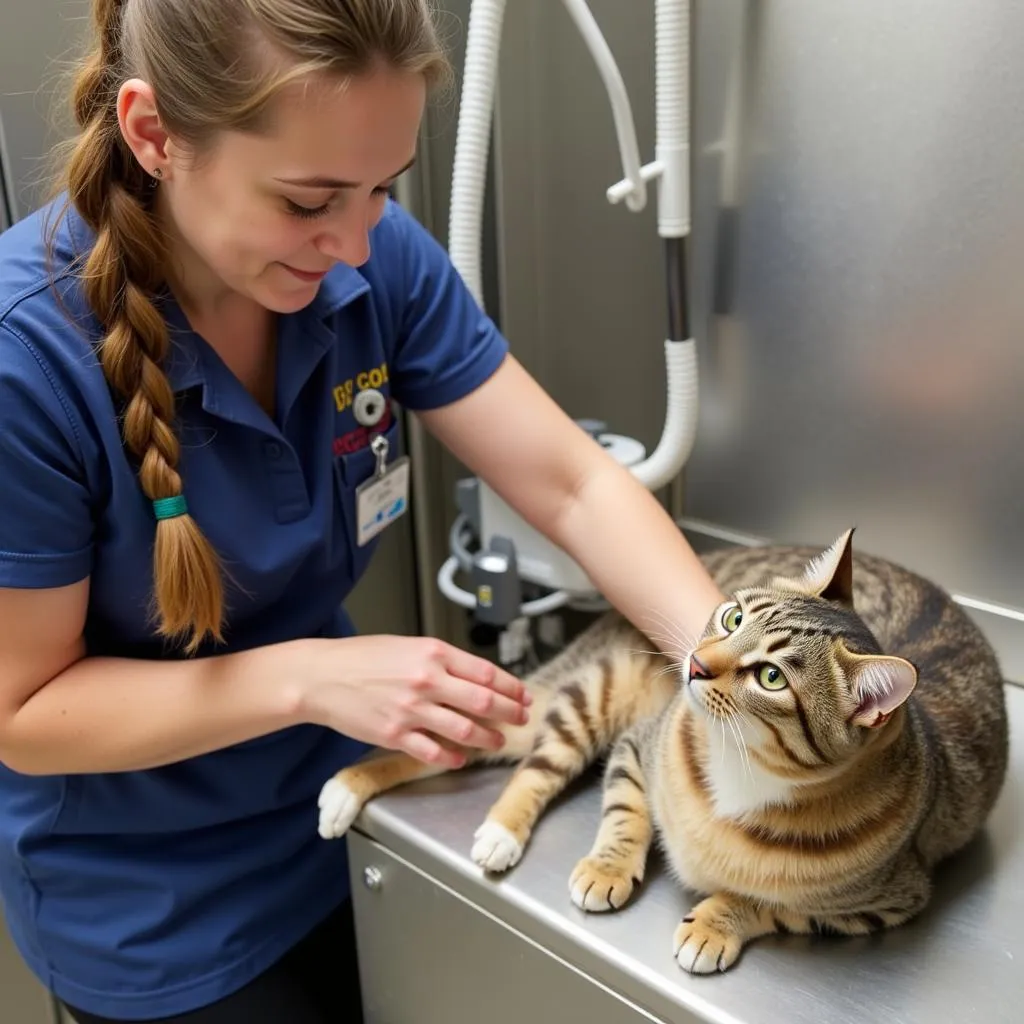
(732, 618)
(771, 678)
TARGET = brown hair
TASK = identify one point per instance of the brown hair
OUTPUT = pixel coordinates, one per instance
(214, 65)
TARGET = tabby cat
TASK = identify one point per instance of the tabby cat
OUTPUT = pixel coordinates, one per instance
(803, 765)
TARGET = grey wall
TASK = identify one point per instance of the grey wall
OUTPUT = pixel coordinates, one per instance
(858, 239)
(32, 43)
(36, 45)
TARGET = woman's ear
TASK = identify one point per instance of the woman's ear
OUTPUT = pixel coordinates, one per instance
(141, 128)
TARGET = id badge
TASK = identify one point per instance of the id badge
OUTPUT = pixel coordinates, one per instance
(384, 497)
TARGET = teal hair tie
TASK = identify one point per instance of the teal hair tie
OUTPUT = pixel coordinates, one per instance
(170, 508)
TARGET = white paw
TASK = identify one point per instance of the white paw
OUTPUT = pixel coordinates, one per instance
(703, 950)
(338, 809)
(597, 885)
(495, 849)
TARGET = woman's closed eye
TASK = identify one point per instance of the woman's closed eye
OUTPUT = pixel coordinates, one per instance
(311, 212)
(307, 212)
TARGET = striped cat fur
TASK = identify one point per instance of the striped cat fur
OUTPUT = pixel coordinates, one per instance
(839, 728)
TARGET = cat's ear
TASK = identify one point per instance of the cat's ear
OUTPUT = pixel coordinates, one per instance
(880, 684)
(830, 574)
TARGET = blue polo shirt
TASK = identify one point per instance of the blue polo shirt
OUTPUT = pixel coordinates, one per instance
(150, 893)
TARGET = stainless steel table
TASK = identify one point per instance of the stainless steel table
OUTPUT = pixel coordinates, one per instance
(443, 943)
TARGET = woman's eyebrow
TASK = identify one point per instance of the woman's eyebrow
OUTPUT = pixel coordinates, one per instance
(321, 182)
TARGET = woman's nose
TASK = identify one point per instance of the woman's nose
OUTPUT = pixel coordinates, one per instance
(349, 242)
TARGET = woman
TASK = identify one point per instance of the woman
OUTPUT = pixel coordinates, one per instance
(183, 347)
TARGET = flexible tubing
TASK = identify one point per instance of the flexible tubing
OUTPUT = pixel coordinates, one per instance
(672, 115)
(634, 185)
(446, 584)
(455, 542)
(472, 142)
(680, 429)
(540, 606)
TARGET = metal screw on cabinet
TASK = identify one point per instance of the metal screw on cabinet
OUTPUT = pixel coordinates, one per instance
(373, 878)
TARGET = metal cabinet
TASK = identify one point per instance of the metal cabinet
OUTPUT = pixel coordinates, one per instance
(416, 976)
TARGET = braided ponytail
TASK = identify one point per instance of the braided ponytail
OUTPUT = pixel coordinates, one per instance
(122, 273)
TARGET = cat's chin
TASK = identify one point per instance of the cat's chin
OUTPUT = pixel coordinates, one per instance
(696, 701)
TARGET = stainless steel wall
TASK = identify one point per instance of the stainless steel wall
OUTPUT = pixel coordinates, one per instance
(866, 367)
(859, 227)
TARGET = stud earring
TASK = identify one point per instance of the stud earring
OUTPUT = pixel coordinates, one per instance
(158, 172)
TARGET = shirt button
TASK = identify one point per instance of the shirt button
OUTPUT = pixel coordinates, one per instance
(272, 450)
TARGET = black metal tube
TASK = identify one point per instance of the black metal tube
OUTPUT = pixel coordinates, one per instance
(678, 300)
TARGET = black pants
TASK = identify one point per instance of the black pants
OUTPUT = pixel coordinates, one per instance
(317, 982)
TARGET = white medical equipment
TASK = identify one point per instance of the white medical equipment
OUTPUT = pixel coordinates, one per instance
(510, 553)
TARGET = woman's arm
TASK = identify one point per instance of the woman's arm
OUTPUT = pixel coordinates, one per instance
(511, 433)
(63, 713)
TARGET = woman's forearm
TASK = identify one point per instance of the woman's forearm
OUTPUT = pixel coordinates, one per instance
(116, 714)
(637, 557)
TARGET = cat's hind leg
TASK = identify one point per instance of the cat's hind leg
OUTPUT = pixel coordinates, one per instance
(714, 932)
(606, 878)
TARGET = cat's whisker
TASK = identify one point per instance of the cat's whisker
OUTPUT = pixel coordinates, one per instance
(667, 670)
(744, 753)
(672, 636)
(743, 758)
(642, 650)
(672, 646)
(750, 723)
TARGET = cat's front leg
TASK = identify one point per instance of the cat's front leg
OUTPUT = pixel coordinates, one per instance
(713, 933)
(606, 878)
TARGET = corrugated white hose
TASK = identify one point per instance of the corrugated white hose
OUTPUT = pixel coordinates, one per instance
(469, 177)
(680, 430)
(672, 115)
(472, 143)
(672, 168)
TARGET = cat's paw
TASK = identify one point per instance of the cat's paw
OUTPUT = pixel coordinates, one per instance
(702, 946)
(597, 885)
(338, 808)
(495, 849)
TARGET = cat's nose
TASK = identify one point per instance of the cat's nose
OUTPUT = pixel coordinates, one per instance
(698, 670)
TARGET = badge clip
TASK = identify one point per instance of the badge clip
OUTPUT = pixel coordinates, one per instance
(385, 496)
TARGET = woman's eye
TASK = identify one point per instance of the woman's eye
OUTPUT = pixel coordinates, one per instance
(311, 212)
(307, 212)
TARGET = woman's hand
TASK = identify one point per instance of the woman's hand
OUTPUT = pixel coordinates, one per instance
(416, 694)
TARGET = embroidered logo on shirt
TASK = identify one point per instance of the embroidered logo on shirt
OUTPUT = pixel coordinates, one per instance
(361, 436)
(344, 396)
